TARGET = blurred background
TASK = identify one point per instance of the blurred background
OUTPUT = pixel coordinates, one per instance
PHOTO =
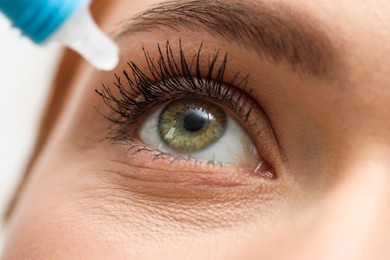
(26, 72)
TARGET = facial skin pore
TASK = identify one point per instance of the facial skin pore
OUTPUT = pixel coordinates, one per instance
(319, 73)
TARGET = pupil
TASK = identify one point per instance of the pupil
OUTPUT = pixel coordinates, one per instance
(194, 121)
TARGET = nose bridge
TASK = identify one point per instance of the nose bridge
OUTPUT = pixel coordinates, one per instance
(354, 219)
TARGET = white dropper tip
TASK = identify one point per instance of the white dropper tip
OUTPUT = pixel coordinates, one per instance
(81, 34)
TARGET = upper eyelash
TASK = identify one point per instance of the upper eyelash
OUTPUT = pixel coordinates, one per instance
(171, 79)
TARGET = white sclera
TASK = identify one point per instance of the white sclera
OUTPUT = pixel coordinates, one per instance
(81, 34)
(235, 147)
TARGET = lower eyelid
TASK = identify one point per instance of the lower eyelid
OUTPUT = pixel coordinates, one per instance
(182, 181)
(134, 153)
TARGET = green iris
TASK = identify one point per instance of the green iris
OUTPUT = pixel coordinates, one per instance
(190, 125)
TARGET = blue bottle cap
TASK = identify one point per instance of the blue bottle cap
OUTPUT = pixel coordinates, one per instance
(38, 19)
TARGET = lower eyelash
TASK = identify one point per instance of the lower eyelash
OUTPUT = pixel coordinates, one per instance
(171, 79)
(135, 147)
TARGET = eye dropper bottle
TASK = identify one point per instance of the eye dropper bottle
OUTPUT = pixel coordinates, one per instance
(67, 22)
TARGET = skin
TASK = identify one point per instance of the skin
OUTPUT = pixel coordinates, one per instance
(88, 199)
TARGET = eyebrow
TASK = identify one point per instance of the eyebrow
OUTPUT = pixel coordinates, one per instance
(275, 32)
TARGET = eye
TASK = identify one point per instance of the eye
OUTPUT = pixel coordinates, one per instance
(199, 129)
(185, 114)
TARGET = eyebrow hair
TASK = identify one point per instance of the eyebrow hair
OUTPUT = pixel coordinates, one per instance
(276, 33)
